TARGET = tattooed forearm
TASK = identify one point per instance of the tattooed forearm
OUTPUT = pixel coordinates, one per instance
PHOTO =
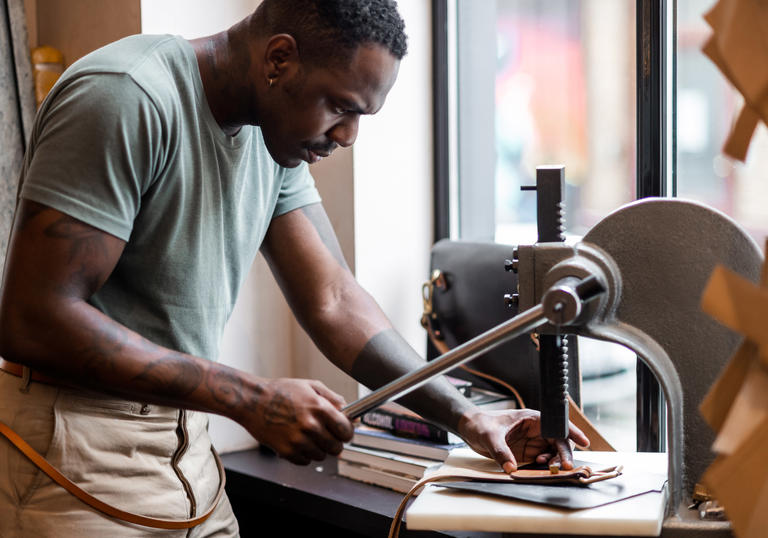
(225, 387)
(105, 342)
(178, 376)
(55, 265)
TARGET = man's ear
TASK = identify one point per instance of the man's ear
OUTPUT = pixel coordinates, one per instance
(281, 56)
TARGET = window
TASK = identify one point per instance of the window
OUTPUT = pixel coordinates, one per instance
(542, 83)
(564, 93)
(530, 83)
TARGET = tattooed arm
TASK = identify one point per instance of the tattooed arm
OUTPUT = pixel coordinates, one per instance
(350, 329)
(55, 263)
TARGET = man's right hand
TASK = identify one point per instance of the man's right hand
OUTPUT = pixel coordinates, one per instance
(300, 419)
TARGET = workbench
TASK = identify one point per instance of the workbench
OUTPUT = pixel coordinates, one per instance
(268, 493)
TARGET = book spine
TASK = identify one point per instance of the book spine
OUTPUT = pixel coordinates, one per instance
(406, 426)
(464, 387)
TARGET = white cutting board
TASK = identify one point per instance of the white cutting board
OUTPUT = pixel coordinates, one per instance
(440, 509)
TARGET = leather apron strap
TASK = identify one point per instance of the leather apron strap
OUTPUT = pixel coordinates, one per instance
(27, 374)
(103, 507)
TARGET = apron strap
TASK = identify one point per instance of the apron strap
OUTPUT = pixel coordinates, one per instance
(103, 507)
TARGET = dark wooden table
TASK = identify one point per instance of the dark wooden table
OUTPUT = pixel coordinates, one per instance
(272, 497)
(267, 492)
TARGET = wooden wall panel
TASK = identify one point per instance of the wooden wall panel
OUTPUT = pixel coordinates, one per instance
(77, 27)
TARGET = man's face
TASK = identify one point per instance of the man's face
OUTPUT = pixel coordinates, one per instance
(316, 110)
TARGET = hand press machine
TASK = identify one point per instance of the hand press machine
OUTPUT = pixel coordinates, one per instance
(635, 279)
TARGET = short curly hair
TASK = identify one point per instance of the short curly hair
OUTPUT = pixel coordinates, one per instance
(328, 31)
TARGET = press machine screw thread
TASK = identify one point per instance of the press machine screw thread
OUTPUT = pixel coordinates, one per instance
(562, 364)
(561, 222)
(553, 369)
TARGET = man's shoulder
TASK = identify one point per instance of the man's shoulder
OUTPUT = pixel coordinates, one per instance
(157, 66)
(129, 55)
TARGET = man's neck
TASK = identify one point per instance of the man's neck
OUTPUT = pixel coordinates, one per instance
(222, 67)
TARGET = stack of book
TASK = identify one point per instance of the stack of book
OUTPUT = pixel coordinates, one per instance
(384, 468)
(393, 446)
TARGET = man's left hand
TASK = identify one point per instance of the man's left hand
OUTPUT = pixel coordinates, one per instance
(513, 436)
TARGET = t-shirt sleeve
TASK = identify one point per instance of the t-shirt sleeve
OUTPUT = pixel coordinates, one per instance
(297, 190)
(96, 148)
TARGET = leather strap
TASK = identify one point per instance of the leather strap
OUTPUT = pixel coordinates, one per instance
(87, 498)
(18, 370)
(397, 519)
(103, 507)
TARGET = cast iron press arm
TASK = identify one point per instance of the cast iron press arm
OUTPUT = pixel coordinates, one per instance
(560, 305)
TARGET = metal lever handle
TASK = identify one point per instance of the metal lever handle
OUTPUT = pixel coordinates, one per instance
(520, 324)
(512, 328)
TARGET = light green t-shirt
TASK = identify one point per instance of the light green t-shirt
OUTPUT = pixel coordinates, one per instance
(126, 143)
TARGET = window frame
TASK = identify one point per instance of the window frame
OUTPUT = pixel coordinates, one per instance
(656, 73)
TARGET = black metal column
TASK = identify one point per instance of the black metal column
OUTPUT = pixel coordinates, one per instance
(652, 165)
(441, 197)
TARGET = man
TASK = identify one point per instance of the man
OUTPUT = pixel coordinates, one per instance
(156, 170)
